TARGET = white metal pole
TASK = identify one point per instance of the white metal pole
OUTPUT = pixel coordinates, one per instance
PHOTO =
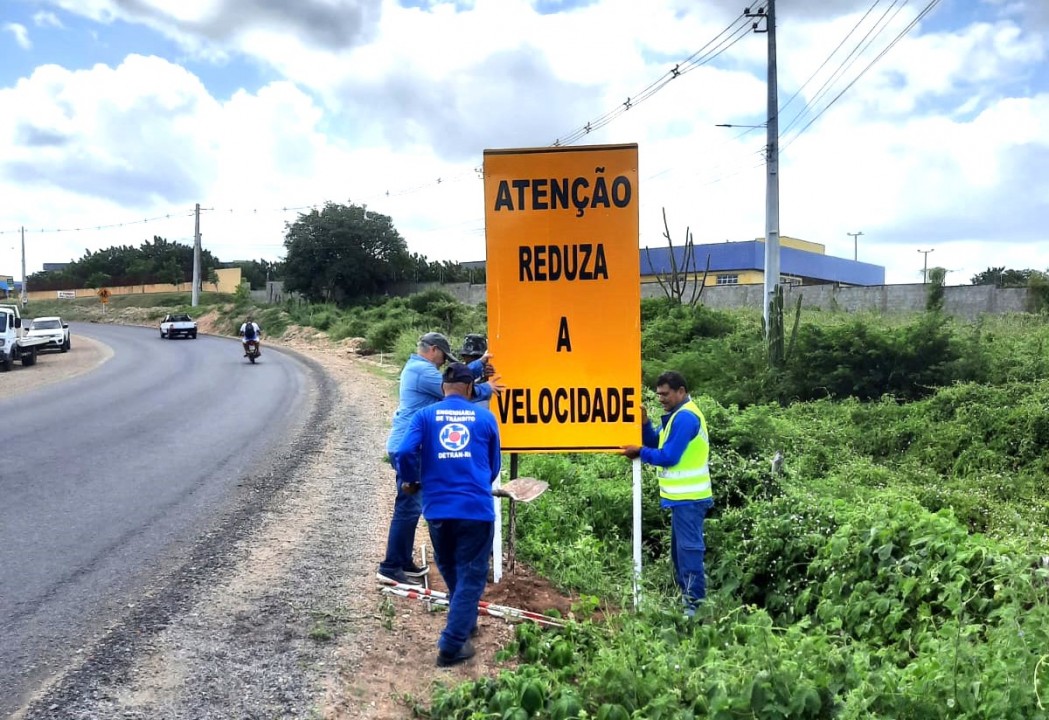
(497, 541)
(637, 531)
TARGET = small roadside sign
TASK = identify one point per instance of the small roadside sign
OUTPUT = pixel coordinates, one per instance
(103, 295)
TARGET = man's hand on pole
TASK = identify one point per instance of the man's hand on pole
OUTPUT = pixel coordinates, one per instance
(631, 451)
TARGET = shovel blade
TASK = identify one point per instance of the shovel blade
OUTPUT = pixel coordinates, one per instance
(523, 489)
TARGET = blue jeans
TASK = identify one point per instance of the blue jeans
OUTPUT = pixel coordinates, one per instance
(687, 549)
(401, 539)
(462, 548)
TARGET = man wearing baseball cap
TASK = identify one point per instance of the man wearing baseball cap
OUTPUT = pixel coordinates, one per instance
(421, 386)
(453, 448)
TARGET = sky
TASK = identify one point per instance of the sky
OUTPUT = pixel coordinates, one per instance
(921, 130)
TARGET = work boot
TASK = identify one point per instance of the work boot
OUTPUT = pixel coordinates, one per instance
(449, 659)
(388, 577)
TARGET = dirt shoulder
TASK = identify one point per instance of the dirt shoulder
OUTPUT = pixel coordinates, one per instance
(294, 624)
(53, 366)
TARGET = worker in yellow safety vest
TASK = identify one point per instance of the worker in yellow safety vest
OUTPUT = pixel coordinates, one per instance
(680, 447)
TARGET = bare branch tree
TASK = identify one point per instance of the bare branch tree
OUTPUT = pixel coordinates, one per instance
(674, 283)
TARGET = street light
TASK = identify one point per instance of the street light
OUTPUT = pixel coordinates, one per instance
(855, 244)
(925, 270)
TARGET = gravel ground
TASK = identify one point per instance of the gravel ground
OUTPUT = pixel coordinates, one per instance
(51, 366)
(245, 629)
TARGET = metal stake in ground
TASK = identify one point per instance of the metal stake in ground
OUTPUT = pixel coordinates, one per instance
(426, 577)
(518, 490)
(413, 592)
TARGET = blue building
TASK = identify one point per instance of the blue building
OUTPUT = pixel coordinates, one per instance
(743, 263)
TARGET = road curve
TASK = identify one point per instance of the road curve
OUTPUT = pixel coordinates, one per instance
(113, 480)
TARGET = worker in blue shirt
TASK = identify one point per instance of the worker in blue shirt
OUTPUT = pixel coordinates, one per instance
(420, 387)
(453, 449)
(681, 449)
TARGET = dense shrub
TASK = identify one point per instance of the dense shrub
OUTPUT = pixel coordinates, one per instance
(858, 359)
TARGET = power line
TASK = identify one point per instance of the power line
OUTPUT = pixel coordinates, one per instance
(727, 38)
(865, 42)
(736, 30)
(921, 15)
(110, 226)
(816, 72)
(862, 45)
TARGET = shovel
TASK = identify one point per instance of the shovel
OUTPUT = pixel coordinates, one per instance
(522, 489)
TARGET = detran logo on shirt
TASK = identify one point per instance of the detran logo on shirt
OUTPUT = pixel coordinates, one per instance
(454, 437)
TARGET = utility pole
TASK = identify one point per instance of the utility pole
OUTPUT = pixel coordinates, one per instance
(771, 165)
(196, 259)
(25, 283)
(855, 244)
(925, 270)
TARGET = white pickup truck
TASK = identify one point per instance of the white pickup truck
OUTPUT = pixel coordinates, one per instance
(14, 344)
(178, 324)
(53, 329)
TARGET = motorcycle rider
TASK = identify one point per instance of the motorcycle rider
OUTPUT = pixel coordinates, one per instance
(251, 332)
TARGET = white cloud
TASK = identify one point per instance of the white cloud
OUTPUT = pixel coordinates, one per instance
(46, 19)
(940, 144)
(20, 34)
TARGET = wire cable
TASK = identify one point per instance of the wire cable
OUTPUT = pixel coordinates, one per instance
(736, 30)
(910, 26)
(834, 52)
(846, 64)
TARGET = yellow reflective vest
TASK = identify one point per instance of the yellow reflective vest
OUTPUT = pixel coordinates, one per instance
(690, 478)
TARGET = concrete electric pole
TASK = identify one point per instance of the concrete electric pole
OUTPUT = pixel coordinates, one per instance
(855, 244)
(25, 282)
(771, 165)
(925, 270)
(196, 258)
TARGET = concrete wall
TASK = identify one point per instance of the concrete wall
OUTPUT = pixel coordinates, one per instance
(469, 293)
(273, 293)
(963, 301)
(229, 279)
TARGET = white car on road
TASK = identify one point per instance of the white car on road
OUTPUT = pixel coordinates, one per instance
(52, 328)
(178, 324)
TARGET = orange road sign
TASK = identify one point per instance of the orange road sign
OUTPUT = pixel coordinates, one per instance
(564, 296)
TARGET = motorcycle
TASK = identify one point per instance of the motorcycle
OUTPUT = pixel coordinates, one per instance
(251, 349)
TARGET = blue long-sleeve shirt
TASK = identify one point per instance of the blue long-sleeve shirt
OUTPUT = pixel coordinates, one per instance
(684, 430)
(421, 386)
(456, 442)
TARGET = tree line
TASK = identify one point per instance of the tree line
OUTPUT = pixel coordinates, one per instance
(156, 261)
(340, 253)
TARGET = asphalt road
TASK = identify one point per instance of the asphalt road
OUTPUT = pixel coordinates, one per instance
(112, 480)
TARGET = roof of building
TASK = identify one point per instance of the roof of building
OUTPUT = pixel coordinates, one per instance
(750, 255)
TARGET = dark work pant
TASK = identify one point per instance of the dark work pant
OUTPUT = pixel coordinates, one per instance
(462, 548)
(687, 549)
(401, 538)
